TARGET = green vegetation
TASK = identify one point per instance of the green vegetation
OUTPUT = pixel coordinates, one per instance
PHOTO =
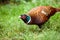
(13, 28)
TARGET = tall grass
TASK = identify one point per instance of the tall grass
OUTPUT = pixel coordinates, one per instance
(13, 28)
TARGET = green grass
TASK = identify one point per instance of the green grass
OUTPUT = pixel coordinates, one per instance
(13, 28)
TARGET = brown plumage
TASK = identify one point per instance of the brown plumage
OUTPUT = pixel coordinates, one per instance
(39, 15)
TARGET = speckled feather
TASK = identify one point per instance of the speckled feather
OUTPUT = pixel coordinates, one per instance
(37, 17)
(41, 14)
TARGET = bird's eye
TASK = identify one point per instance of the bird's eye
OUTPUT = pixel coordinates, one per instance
(23, 17)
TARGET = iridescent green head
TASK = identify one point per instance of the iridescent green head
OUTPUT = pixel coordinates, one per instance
(25, 18)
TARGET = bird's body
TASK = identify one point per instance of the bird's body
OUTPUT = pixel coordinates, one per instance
(40, 15)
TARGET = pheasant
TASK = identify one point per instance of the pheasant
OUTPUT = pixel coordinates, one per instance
(39, 15)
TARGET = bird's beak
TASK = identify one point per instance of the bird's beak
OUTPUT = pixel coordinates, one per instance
(19, 16)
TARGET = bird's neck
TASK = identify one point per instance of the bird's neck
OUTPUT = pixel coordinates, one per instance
(28, 19)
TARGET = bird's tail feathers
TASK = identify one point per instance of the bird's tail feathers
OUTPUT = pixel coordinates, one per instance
(58, 9)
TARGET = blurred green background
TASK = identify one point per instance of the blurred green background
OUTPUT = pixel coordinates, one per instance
(13, 28)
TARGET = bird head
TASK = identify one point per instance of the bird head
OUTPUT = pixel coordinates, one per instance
(25, 18)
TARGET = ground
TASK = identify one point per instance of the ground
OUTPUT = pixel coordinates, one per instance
(13, 28)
